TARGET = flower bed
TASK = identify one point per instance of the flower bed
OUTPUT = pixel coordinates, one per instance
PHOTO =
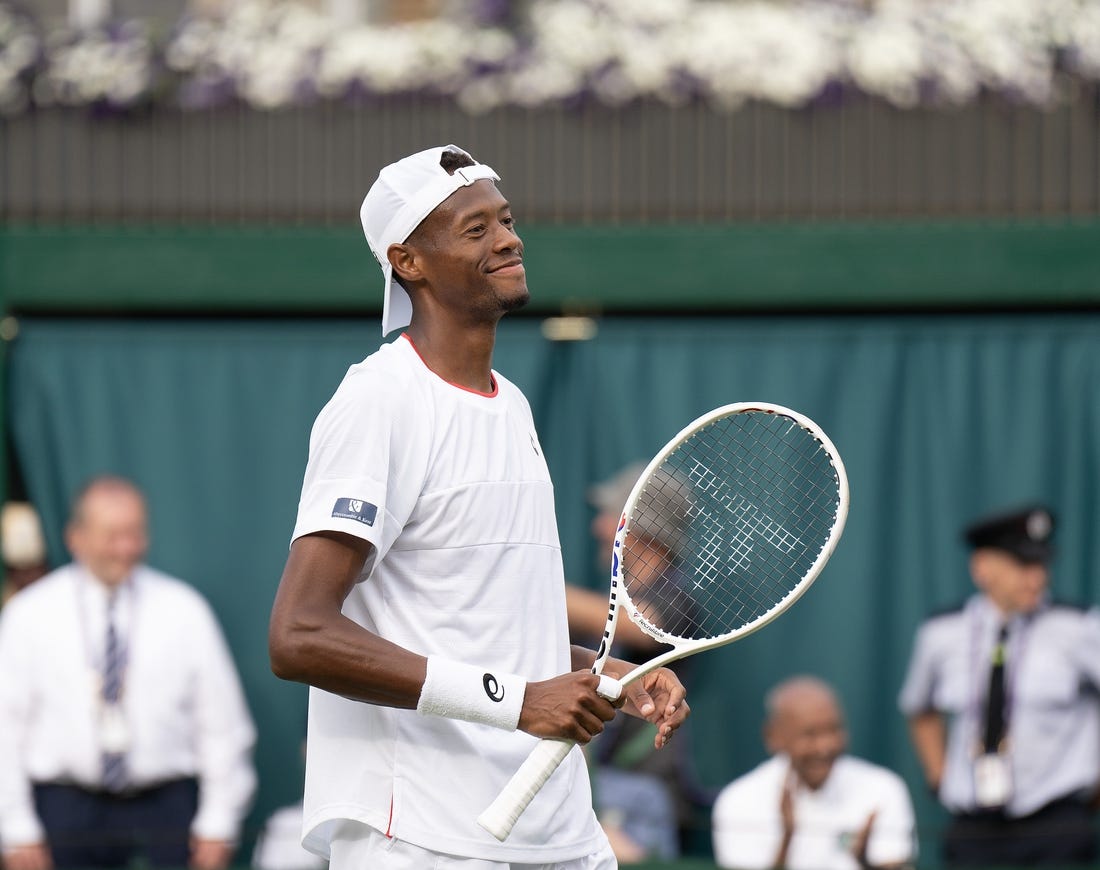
(786, 52)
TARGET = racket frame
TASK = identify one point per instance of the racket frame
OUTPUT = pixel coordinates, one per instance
(500, 817)
(620, 595)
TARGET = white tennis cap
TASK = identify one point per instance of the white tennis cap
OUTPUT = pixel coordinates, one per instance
(401, 197)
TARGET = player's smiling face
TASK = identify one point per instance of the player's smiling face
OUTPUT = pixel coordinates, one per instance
(471, 254)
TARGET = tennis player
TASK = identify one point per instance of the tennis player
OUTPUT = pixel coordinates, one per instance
(423, 599)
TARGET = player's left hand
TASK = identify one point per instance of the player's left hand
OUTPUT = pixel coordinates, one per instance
(658, 697)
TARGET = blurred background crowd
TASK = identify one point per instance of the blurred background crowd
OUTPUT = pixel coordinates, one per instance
(882, 213)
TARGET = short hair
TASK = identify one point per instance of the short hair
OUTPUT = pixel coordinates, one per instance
(109, 482)
(778, 695)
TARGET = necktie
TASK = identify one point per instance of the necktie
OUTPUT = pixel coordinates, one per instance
(995, 703)
(114, 762)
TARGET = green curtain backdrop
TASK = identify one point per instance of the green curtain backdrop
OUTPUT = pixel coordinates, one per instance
(852, 265)
(938, 418)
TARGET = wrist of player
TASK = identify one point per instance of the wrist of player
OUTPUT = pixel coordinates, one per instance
(455, 690)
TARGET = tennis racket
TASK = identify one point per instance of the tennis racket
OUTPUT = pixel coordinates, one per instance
(725, 529)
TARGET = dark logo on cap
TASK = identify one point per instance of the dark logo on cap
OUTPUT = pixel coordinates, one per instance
(493, 689)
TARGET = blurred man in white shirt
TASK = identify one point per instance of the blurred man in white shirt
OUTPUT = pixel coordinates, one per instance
(124, 732)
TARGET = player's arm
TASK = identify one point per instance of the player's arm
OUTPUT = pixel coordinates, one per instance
(928, 732)
(311, 641)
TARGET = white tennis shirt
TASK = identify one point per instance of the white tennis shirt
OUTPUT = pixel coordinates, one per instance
(451, 488)
(748, 827)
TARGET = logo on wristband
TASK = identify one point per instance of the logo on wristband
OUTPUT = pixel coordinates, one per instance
(493, 689)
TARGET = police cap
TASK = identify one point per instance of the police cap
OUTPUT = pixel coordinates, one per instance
(1025, 533)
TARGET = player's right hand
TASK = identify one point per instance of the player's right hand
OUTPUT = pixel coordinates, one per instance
(566, 707)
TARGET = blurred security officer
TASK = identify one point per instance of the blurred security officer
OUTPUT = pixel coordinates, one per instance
(123, 728)
(1001, 697)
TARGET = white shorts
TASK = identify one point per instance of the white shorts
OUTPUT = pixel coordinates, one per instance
(356, 846)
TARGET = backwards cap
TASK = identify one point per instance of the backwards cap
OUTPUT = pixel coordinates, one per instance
(401, 197)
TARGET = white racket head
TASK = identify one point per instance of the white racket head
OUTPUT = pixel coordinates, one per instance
(728, 525)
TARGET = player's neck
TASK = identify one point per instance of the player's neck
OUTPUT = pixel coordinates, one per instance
(463, 357)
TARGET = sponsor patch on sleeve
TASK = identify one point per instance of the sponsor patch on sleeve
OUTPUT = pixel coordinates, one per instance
(355, 509)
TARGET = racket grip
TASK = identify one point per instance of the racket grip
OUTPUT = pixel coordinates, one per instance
(502, 814)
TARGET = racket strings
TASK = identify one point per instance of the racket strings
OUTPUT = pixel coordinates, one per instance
(729, 525)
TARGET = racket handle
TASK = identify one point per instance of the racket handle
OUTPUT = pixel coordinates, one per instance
(502, 814)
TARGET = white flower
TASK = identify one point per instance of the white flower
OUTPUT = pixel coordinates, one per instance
(275, 52)
(19, 46)
(1084, 27)
(887, 57)
(762, 51)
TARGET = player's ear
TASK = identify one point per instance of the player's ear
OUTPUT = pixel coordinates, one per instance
(405, 262)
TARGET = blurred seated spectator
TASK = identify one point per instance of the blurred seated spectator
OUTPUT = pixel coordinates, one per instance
(279, 846)
(22, 547)
(810, 806)
(650, 802)
(637, 814)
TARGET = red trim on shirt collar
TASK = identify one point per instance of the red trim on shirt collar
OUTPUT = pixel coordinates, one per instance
(492, 380)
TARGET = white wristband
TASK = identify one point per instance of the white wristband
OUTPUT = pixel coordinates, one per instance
(460, 691)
